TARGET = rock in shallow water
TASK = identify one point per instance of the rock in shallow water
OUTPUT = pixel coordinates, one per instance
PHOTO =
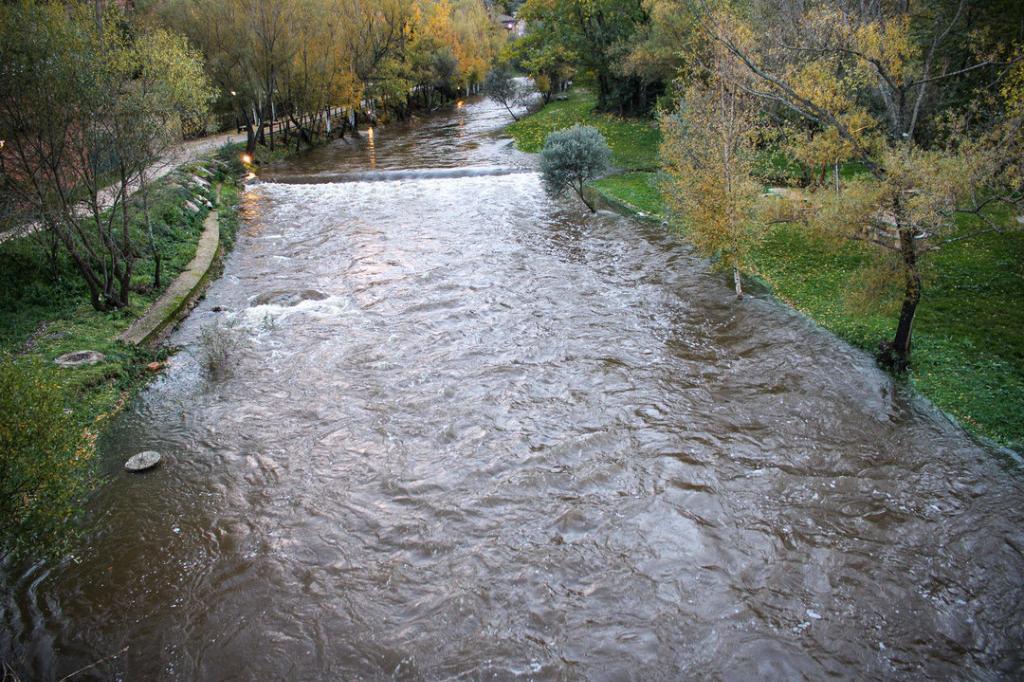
(142, 461)
(288, 297)
(80, 358)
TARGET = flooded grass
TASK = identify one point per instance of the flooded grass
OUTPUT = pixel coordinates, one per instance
(638, 189)
(634, 141)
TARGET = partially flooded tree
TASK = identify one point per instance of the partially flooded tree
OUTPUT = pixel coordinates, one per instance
(709, 150)
(501, 86)
(573, 157)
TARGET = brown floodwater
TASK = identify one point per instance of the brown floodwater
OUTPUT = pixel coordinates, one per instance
(467, 431)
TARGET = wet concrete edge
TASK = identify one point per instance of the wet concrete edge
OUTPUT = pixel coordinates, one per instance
(174, 302)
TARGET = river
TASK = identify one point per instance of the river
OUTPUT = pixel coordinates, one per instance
(468, 432)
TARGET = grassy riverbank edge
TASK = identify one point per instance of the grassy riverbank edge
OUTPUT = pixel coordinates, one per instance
(970, 299)
(52, 316)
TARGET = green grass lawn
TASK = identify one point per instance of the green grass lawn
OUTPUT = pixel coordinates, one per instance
(968, 356)
(638, 190)
(44, 314)
(634, 141)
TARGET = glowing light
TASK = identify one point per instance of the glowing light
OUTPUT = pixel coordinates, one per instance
(458, 105)
(234, 94)
(371, 147)
(246, 159)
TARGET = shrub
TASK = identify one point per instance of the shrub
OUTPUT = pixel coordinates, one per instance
(219, 345)
(45, 464)
(573, 157)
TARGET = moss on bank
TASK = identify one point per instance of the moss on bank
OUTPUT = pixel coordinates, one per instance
(969, 332)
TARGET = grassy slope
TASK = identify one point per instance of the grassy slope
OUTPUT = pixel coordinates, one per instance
(41, 318)
(969, 332)
(634, 142)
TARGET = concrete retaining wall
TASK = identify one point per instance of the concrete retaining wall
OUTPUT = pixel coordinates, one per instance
(169, 308)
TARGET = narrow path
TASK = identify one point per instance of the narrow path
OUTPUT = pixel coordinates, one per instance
(177, 156)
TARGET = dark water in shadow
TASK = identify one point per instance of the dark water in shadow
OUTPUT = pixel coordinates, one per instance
(473, 433)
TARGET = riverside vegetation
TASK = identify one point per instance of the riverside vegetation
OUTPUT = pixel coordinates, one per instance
(50, 417)
(866, 162)
(973, 284)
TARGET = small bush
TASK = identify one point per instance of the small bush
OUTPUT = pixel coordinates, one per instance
(219, 345)
(573, 157)
(45, 464)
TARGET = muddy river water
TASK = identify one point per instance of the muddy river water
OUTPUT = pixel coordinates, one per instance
(468, 432)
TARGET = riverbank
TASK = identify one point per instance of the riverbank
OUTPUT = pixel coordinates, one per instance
(969, 332)
(47, 313)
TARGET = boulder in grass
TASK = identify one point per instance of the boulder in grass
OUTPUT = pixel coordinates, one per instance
(142, 461)
(80, 358)
(192, 207)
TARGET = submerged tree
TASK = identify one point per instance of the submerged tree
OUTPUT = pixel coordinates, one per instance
(573, 157)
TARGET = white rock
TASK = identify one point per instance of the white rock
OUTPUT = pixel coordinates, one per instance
(80, 358)
(142, 461)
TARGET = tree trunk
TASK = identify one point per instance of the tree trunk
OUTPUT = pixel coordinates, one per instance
(736, 281)
(153, 248)
(896, 355)
(583, 197)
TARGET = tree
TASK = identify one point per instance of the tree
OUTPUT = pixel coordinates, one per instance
(573, 157)
(501, 86)
(44, 467)
(709, 149)
(599, 35)
(165, 87)
(549, 64)
(83, 106)
(59, 82)
(863, 81)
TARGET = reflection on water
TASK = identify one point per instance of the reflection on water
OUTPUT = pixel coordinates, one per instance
(470, 432)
